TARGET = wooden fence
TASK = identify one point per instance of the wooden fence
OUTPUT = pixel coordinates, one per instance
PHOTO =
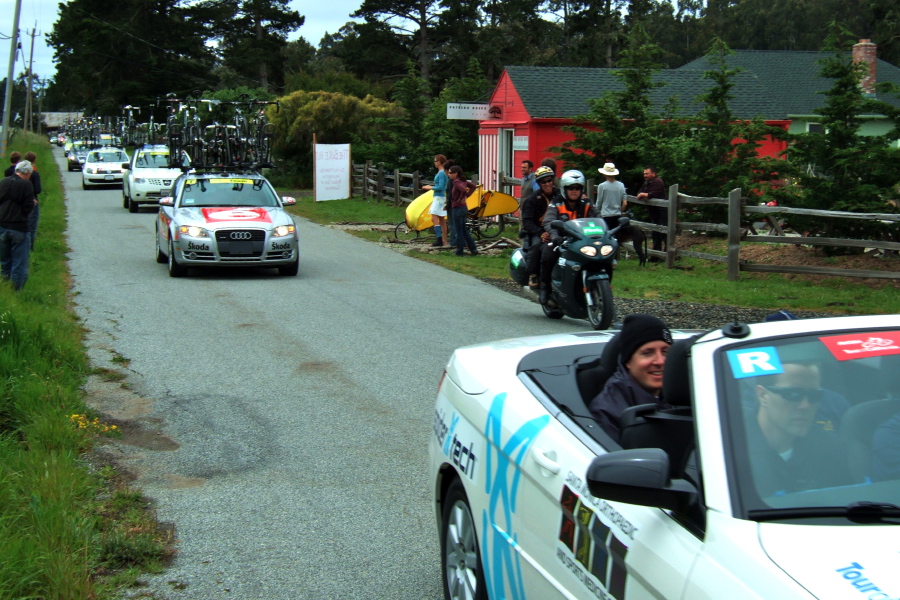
(375, 181)
(741, 213)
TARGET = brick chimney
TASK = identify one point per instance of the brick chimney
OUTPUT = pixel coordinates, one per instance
(865, 52)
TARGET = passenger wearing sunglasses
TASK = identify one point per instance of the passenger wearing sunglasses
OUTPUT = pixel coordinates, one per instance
(788, 452)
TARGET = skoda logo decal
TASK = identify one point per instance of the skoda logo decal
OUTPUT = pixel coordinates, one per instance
(240, 235)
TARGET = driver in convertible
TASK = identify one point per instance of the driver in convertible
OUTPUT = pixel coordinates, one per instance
(574, 205)
(638, 379)
(788, 453)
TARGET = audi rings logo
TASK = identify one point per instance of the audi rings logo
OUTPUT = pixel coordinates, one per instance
(240, 235)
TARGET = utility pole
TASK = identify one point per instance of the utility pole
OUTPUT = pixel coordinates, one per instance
(7, 103)
(28, 107)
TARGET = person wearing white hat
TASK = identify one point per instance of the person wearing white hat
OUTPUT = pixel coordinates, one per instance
(611, 196)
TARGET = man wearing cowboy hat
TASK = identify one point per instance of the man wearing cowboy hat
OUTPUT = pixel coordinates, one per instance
(611, 196)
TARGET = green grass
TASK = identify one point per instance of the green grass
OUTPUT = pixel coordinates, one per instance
(693, 280)
(60, 539)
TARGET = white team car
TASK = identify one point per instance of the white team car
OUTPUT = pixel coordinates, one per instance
(226, 219)
(148, 176)
(102, 167)
(774, 474)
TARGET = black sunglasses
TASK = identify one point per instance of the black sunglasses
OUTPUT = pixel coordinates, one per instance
(797, 394)
(545, 180)
(575, 187)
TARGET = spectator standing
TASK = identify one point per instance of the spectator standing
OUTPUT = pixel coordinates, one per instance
(528, 185)
(611, 196)
(35, 214)
(655, 188)
(438, 208)
(14, 158)
(16, 202)
(461, 191)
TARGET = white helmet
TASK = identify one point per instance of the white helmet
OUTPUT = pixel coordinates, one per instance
(570, 178)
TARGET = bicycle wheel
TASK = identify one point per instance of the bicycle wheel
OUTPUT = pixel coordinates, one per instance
(489, 227)
(403, 232)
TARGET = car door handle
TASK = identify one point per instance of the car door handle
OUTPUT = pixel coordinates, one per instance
(546, 460)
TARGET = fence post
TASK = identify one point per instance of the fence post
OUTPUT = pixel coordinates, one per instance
(592, 193)
(416, 188)
(734, 234)
(396, 187)
(379, 191)
(367, 166)
(671, 227)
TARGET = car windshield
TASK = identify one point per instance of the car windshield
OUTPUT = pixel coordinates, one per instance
(110, 157)
(230, 191)
(154, 159)
(813, 421)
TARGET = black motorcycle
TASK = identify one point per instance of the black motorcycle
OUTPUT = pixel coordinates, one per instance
(580, 281)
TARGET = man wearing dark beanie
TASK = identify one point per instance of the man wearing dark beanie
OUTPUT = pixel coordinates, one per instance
(638, 380)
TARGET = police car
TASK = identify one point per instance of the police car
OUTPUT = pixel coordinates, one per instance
(225, 219)
(772, 472)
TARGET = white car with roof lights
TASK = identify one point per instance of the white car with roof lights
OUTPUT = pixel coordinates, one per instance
(102, 167)
(773, 471)
(226, 219)
(149, 176)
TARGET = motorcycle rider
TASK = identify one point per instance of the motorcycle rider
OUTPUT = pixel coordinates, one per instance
(532, 215)
(571, 203)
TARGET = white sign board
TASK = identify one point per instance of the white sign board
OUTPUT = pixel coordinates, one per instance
(471, 112)
(333, 171)
(520, 142)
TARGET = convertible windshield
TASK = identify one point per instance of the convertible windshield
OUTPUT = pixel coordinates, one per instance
(814, 422)
(228, 192)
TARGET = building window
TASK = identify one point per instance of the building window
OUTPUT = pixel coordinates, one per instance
(815, 128)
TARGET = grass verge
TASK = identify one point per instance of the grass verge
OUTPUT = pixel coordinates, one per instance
(69, 529)
(694, 280)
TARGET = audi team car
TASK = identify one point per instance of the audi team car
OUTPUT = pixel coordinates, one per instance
(775, 473)
(232, 219)
(102, 166)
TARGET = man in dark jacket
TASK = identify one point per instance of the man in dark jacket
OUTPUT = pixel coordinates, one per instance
(655, 188)
(638, 380)
(532, 214)
(16, 202)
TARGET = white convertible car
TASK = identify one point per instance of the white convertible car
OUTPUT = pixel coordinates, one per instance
(773, 471)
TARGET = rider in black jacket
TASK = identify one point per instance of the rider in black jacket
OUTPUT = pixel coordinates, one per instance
(532, 215)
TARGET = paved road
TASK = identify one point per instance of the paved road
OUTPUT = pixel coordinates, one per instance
(291, 414)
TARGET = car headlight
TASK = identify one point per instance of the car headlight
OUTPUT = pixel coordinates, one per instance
(588, 250)
(140, 180)
(193, 231)
(283, 230)
(90, 170)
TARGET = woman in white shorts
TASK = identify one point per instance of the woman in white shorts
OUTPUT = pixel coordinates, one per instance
(438, 208)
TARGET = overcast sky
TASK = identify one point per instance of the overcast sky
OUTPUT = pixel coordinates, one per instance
(40, 15)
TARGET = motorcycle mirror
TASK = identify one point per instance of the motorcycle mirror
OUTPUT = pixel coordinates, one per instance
(557, 224)
(624, 221)
(563, 217)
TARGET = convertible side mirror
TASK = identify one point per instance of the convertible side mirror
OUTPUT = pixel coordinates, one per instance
(639, 476)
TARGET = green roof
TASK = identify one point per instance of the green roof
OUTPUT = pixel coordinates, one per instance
(772, 85)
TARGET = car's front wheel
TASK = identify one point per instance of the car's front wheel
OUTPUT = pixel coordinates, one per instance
(126, 201)
(132, 206)
(460, 555)
(175, 270)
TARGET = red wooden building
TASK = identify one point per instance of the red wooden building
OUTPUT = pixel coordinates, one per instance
(530, 105)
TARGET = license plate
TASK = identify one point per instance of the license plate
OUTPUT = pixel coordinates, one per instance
(164, 192)
(240, 248)
(108, 177)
